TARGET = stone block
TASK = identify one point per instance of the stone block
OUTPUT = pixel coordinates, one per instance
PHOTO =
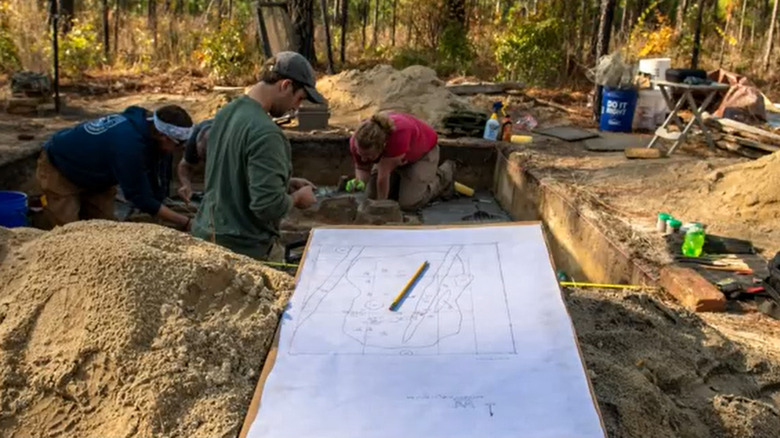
(372, 212)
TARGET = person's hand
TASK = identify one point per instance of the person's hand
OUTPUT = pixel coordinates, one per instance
(355, 185)
(298, 183)
(304, 197)
(187, 227)
(185, 192)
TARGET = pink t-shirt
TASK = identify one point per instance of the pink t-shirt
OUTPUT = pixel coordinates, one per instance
(412, 138)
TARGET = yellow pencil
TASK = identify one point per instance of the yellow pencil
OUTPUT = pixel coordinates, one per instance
(409, 285)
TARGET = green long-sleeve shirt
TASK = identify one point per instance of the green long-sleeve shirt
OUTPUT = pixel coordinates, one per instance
(248, 169)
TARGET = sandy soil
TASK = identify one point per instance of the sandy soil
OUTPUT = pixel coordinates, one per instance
(733, 196)
(354, 95)
(127, 330)
(659, 371)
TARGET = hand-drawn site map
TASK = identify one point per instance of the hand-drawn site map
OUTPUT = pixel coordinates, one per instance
(482, 346)
(444, 314)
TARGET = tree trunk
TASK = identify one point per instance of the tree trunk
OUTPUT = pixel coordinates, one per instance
(725, 37)
(301, 15)
(54, 13)
(117, 11)
(179, 7)
(682, 7)
(326, 25)
(153, 21)
(230, 10)
(344, 12)
(106, 32)
(395, 17)
(66, 15)
(623, 17)
(742, 22)
(594, 28)
(697, 36)
(605, 27)
(602, 43)
(375, 35)
(580, 49)
(219, 14)
(364, 12)
(770, 37)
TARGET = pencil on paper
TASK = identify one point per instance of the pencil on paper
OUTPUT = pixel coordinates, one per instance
(409, 285)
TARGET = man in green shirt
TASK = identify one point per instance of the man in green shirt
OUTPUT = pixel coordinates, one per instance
(249, 184)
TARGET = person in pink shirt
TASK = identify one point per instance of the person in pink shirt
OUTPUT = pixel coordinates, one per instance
(403, 148)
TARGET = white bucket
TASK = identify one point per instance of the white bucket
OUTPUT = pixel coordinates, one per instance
(655, 67)
(650, 110)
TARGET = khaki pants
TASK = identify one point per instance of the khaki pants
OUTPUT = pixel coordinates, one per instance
(66, 202)
(417, 183)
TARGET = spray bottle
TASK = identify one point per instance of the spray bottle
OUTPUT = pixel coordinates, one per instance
(493, 127)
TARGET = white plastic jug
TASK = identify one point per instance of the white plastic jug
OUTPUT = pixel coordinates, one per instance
(655, 67)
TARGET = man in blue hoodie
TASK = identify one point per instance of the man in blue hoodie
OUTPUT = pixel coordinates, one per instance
(80, 167)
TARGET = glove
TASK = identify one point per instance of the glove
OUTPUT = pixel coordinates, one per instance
(355, 185)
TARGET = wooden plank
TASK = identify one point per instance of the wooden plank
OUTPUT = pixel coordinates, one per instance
(738, 149)
(746, 130)
(751, 143)
(648, 153)
(466, 89)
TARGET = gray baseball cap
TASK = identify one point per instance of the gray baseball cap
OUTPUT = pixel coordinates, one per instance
(293, 65)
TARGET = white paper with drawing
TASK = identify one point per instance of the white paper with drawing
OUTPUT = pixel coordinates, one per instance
(481, 347)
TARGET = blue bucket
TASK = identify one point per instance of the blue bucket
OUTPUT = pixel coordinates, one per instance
(13, 209)
(617, 110)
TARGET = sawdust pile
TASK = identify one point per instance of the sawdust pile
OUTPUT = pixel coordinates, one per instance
(750, 189)
(124, 330)
(659, 371)
(415, 90)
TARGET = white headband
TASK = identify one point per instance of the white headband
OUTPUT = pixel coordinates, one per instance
(173, 132)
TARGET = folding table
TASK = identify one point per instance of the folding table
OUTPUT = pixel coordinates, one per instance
(667, 88)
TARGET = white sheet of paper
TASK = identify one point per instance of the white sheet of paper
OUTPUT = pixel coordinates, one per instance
(482, 347)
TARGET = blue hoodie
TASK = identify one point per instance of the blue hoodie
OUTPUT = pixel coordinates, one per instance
(116, 149)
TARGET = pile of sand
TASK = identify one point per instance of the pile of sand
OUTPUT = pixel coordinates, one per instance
(123, 330)
(355, 94)
(750, 189)
(659, 371)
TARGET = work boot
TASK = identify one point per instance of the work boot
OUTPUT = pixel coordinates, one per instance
(446, 174)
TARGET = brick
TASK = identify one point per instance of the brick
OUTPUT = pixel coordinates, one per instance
(692, 290)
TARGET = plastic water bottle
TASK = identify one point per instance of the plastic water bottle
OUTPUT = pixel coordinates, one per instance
(491, 128)
(694, 242)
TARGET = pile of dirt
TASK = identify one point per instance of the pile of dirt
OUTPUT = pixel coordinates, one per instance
(659, 371)
(123, 330)
(750, 189)
(354, 94)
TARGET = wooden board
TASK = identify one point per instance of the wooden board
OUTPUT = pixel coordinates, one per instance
(468, 89)
(744, 130)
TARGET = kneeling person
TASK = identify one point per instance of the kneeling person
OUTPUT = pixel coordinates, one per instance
(400, 144)
(80, 167)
